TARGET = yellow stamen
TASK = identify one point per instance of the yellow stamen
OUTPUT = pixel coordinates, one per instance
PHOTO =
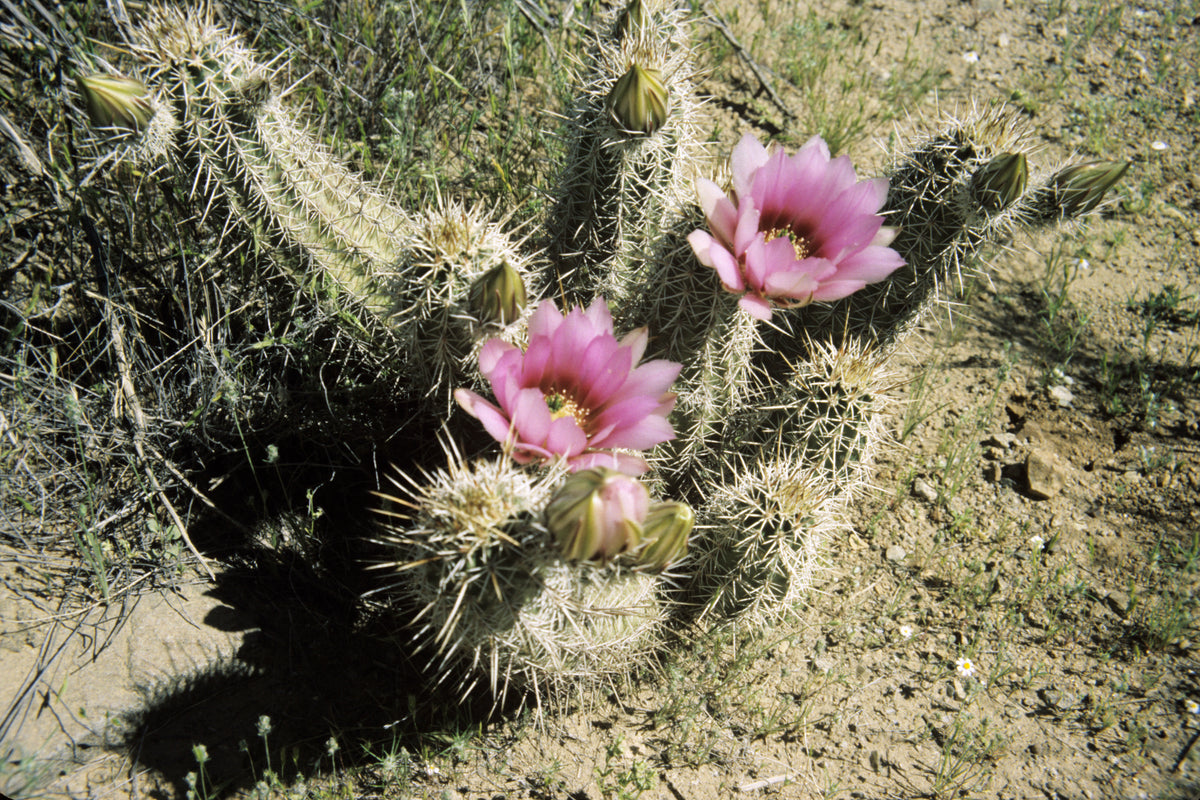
(799, 243)
(561, 406)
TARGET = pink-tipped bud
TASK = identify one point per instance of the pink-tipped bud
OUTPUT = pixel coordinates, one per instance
(639, 102)
(114, 101)
(666, 532)
(597, 513)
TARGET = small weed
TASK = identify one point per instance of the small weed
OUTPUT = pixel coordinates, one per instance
(967, 749)
(199, 787)
(920, 391)
(623, 784)
(1061, 324)
(1170, 306)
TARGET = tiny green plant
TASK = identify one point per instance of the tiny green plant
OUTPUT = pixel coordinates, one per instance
(1062, 324)
(623, 784)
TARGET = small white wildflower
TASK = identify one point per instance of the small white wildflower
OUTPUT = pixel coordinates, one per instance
(1192, 706)
(971, 57)
(1083, 263)
(906, 631)
(1158, 145)
(1037, 543)
(965, 667)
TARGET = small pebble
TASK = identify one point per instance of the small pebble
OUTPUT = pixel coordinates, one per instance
(923, 490)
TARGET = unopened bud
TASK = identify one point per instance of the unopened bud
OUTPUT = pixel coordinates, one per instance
(1078, 189)
(498, 295)
(1000, 182)
(634, 20)
(666, 532)
(639, 101)
(114, 101)
(597, 513)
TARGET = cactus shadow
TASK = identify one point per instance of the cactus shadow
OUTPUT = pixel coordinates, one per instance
(315, 665)
(315, 659)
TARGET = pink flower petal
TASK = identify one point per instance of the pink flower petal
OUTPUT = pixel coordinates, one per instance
(565, 438)
(653, 378)
(530, 416)
(747, 227)
(636, 340)
(798, 284)
(647, 433)
(605, 379)
(531, 370)
(467, 400)
(884, 237)
(718, 209)
(756, 307)
(701, 244)
(599, 316)
(746, 159)
(763, 260)
(491, 353)
(495, 422)
(870, 264)
(727, 268)
(544, 320)
(836, 290)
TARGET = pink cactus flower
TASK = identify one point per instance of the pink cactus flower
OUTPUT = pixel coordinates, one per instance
(796, 230)
(575, 392)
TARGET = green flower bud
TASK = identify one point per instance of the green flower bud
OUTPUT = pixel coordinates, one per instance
(639, 103)
(114, 101)
(1078, 189)
(597, 513)
(498, 296)
(634, 20)
(666, 532)
(1000, 182)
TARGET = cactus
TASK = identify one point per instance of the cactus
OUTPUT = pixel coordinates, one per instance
(779, 319)
(634, 144)
(495, 600)
(766, 531)
(952, 196)
(409, 277)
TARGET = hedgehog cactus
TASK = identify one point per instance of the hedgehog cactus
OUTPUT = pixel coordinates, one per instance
(951, 197)
(634, 145)
(495, 598)
(409, 277)
(765, 531)
(777, 299)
